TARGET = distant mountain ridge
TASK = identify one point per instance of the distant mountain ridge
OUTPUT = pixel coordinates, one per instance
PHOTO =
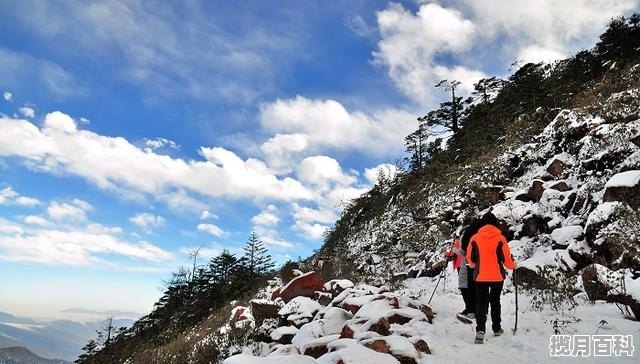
(22, 355)
(62, 339)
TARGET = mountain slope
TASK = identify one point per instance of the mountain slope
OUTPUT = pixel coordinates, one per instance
(22, 355)
(555, 155)
(57, 339)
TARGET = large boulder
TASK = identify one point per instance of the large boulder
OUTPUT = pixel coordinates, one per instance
(592, 283)
(531, 278)
(399, 347)
(556, 167)
(241, 318)
(533, 225)
(603, 215)
(336, 286)
(264, 309)
(601, 283)
(624, 187)
(303, 285)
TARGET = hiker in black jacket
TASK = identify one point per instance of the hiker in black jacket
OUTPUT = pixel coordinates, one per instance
(465, 279)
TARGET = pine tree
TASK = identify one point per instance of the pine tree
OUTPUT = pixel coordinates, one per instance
(88, 351)
(486, 89)
(223, 267)
(450, 113)
(256, 257)
(415, 144)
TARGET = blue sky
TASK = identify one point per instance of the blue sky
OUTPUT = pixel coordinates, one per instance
(132, 132)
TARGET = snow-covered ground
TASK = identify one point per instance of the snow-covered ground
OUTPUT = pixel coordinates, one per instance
(451, 341)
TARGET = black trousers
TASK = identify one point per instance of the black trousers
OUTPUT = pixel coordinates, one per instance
(488, 293)
(469, 293)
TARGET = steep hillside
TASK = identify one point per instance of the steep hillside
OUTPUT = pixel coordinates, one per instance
(554, 154)
(22, 355)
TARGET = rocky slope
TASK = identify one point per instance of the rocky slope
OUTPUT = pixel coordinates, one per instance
(569, 202)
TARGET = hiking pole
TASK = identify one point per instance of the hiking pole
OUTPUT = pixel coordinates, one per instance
(515, 286)
(437, 283)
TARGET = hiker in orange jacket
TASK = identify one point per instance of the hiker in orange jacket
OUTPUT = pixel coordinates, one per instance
(489, 254)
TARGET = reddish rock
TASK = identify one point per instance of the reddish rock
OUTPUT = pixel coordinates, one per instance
(405, 359)
(427, 312)
(380, 346)
(347, 332)
(316, 351)
(398, 319)
(422, 346)
(239, 314)
(351, 308)
(556, 168)
(304, 285)
(561, 186)
(276, 293)
(536, 190)
(381, 327)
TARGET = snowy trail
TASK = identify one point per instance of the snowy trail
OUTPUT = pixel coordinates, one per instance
(451, 341)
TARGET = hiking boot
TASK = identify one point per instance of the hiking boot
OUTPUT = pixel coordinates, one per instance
(479, 337)
(471, 316)
(498, 332)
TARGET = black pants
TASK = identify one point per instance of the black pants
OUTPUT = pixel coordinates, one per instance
(469, 293)
(488, 293)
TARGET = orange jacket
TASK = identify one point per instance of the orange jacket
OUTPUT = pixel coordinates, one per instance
(488, 251)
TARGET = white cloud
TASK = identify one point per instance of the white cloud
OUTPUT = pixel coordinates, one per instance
(549, 24)
(36, 220)
(323, 172)
(460, 40)
(271, 237)
(156, 50)
(17, 68)
(359, 26)
(27, 112)
(267, 217)
(313, 231)
(75, 210)
(115, 164)
(75, 247)
(410, 43)
(8, 96)
(385, 170)
(211, 229)
(8, 196)
(159, 143)
(303, 126)
(147, 221)
(206, 215)
(27, 201)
